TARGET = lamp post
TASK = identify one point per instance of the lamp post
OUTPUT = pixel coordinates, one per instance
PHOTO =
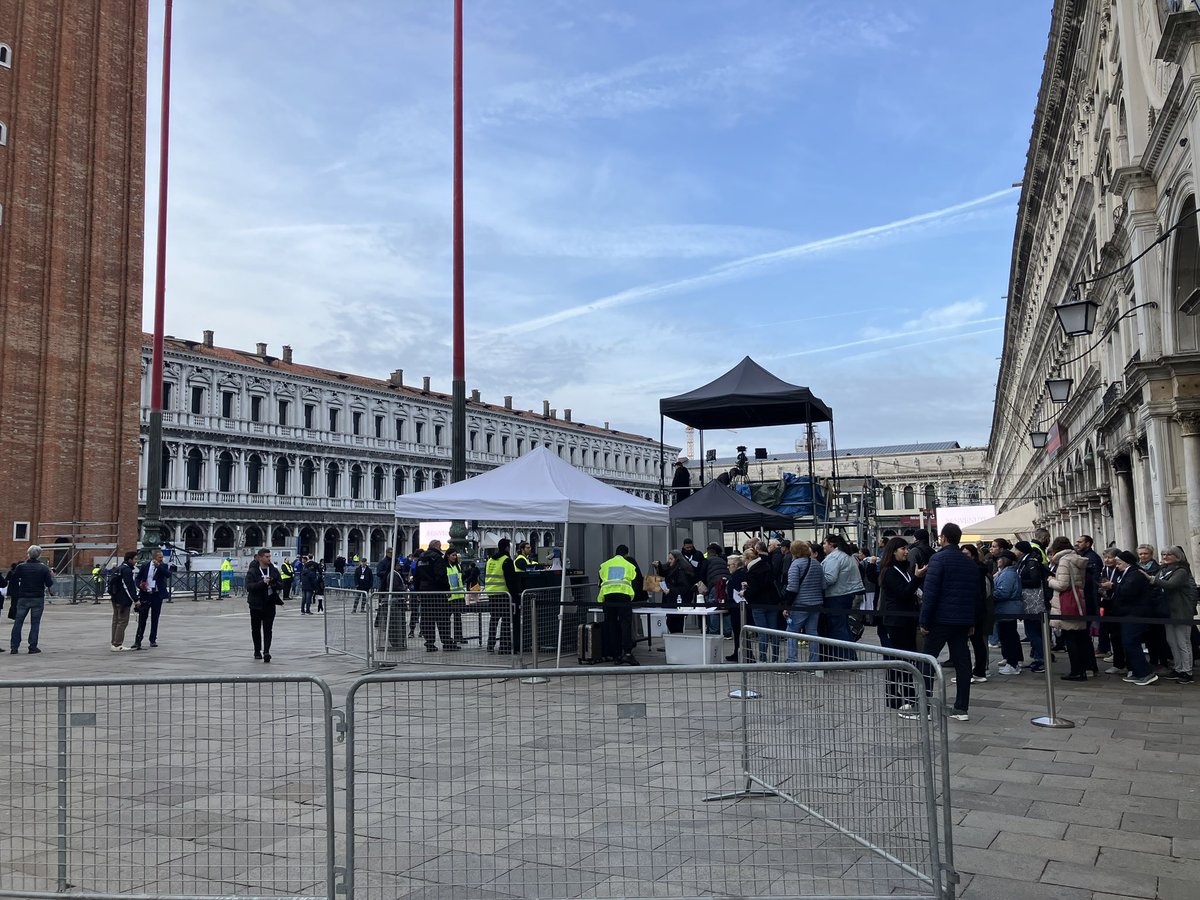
(458, 418)
(152, 526)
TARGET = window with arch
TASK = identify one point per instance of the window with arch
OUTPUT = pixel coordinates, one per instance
(356, 482)
(254, 469)
(504, 444)
(3, 134)
(225, 472)
(910, 497)
(418, 481)
(283, 471)
(1186, 280)
(952, 495)
(399, 481)
(333, 480)
(974, 493)
(889, 498)
(165, 467)
(6, 56)
(377, 482)
(930, 496)
(438, 479)
(195, 469)
(308, 474)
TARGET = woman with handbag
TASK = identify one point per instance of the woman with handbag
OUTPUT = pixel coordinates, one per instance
(1067, 582)
(1175, 578)
(806, 592)
(679, 585)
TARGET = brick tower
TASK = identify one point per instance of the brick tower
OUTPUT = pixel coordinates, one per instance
(72, 165)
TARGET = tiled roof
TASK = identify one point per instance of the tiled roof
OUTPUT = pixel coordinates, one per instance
(275, 364)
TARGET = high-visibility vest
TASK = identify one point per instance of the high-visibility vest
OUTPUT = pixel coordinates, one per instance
(616, 577)
(493, 575)
(524, 561)
(96, 573)
(457, 592)
(285, 570)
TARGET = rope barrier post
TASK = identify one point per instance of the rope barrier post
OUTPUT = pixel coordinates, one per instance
(1051, 719)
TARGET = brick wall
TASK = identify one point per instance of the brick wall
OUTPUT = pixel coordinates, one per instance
(72, 188)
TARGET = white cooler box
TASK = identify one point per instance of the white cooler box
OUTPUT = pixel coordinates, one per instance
(693, 649)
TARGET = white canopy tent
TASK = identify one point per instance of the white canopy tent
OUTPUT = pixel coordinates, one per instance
(1015, 522)
(537, 488)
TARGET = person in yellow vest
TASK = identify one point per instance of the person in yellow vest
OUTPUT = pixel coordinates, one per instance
(523, 562)
(616, 596)
(499, 582)
(458, 595)
(286, 575)
(97, 582)
(226, 577)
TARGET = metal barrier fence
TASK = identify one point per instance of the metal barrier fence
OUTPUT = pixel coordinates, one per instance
(185, 787)
(347, 622)
(886, 693)
(622, 782)
(478, 630)
(550, 620)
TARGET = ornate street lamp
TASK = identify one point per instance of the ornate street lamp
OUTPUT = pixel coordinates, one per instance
(1060, 389)
(1076, 315)
(1038, 439)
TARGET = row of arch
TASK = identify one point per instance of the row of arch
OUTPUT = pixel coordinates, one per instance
(968, 494)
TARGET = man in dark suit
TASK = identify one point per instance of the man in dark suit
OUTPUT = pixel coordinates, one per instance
(154, 586)
(263, 586)
(364, 579)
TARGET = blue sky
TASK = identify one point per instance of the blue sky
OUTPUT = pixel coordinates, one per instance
(653, 191)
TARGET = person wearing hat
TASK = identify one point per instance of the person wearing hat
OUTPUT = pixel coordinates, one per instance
(1131, 596)
(1006, 592)
(1175, 578)
(681, 480)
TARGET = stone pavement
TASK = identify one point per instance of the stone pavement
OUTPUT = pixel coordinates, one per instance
(1109, 809)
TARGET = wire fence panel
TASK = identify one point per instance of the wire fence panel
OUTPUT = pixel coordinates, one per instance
(442, 628)
(178, 788)
(550, 620)
(652, 781)
(908, 688)
(348, 623)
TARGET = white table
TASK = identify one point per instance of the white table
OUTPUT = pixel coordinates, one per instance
(703, 611)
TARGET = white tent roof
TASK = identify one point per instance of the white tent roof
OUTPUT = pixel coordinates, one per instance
(1017, 521)
(537, 487)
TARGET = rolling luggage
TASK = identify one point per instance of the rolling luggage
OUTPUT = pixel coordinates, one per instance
(590, 644)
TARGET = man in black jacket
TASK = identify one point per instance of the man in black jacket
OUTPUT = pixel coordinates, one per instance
(27, 587)
(431, 579)
(1084, 546)
(950, 594)
(919, 552)
(263, 588)
(124, 595)
(1033, 574)
(154, 586)
(363, 581)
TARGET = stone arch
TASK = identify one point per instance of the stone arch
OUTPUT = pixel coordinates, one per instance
(254, 470)
(223, 538)
(253, 537)
(910, 497)
(195, 469)
(1184, 283)
(193, 538)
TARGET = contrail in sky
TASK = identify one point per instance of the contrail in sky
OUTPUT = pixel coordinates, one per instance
(740, 267)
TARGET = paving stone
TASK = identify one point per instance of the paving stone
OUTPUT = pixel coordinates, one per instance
(1018, 865)
(1051, 767)
(1015, 824)
(1131, 884)
(1158, 825)
(1149, 863)
(1075, 815)
(1111, 837)
(1039, 847)
(983, 887)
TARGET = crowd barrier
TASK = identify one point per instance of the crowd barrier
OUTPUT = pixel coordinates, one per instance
(181, 788)
(484, 627)
(620, 782)
(347, 623)
(550, 620)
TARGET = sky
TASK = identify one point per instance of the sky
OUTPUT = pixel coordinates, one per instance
(652, 192)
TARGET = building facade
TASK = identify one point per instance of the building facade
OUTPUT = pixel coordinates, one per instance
(72, 161)
(261, 450)
(912, 480)
(1109, 199)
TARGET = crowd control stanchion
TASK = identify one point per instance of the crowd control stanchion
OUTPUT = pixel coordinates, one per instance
(1052, 718)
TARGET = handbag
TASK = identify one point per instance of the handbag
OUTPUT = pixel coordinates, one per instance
(1068, 601)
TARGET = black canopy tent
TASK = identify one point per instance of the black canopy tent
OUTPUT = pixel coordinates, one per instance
(717, 503)
(747, 396)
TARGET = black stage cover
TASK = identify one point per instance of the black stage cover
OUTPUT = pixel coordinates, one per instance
(717, 503)
(747, 396)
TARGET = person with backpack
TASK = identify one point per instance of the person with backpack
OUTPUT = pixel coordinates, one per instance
(712, 569)
(1033, 576)
(122, 590)
(310, 584)
(1069, 598)
(805, 592)
(1175, 579)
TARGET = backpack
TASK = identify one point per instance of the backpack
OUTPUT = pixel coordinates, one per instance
(116, 586)
(720, 590)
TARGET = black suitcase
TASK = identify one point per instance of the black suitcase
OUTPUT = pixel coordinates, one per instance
(590, 643)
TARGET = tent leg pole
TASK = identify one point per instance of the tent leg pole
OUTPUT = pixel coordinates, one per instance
(701, 457)
(562, 596)
(662, 463)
